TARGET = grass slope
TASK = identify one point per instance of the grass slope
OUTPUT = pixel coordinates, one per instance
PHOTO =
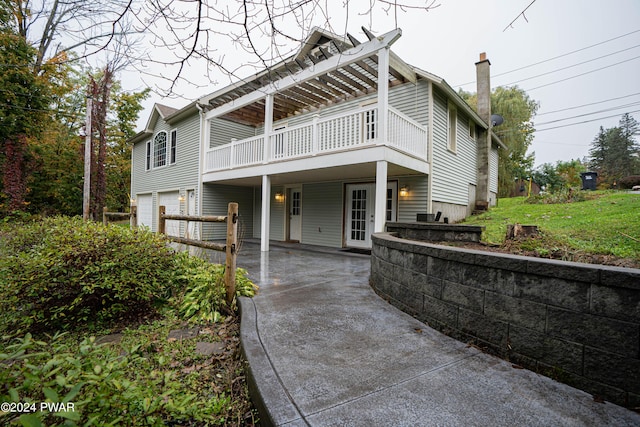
(607, 223)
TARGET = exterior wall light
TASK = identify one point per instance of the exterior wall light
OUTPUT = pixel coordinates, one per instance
(404, 191)
(181, 198)
(279, 197)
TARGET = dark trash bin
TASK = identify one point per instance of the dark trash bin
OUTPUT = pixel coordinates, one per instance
(589, 180)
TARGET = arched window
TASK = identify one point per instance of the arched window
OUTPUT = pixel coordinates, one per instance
(160, 149)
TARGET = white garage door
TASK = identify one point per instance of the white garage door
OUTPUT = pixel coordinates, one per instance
(171, 202)
(145, 210)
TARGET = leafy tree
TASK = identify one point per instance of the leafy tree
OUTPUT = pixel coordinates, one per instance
(546, 176)
(570, 172)
(560, 176)
(516, 132)
(24, 100)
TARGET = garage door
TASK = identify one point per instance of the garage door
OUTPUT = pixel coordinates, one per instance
(171, 202)
(145, 210)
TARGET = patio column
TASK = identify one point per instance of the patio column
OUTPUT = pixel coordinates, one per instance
(381, 197)
(268, 126)
(265, 220)
(383, 94)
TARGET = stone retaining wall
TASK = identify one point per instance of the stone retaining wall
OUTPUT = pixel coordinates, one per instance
(578, 323)
(436, 232)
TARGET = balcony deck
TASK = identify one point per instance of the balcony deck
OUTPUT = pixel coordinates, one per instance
(354, 130)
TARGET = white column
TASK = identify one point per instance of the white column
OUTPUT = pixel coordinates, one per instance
(265, 221)
(268, 126)
(383, 94)
(381, 197)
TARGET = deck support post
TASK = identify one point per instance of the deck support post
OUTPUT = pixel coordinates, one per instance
(380, 210)
(265, 220)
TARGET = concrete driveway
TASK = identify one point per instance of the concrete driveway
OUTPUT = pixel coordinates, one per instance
(324, 350)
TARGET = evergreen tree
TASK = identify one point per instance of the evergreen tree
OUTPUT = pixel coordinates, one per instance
(614, 152)
(598, 151)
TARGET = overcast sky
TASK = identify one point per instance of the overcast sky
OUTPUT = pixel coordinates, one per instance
(596, 46)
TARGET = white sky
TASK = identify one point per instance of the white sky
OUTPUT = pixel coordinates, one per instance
(447, 41)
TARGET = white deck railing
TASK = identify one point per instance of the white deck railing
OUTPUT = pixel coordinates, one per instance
(357, 128)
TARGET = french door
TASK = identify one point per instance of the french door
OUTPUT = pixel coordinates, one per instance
(360, 212)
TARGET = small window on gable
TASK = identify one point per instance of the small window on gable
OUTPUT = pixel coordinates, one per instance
(472, 130)
(173, 148)
(452, 124)
(160, 149)
(148, 156)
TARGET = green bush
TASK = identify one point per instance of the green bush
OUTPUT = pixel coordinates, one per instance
(204, 297)
(62, 273)
(100, 385)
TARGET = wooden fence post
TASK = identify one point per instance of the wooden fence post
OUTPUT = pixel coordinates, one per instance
(133, 223)
(161, 221)
(231, 251)
(105, 220)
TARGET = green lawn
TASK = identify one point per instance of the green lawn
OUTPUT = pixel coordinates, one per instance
(606, 223)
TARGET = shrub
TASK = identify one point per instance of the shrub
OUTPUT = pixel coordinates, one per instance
(62, 273)
(629, 181)
(204, 297)
(563, 196)
(104, 386)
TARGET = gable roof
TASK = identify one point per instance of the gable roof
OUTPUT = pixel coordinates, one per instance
(159, 111)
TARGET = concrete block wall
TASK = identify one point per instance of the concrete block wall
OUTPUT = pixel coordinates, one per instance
(578, 323)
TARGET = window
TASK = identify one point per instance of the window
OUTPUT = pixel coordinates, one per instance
(472, 130)
(389, 216)
(160, 149)
(174, 144)
(148, 156)
(295, 203)
(452, 124)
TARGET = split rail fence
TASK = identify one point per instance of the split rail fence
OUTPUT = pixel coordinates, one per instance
(110, 216)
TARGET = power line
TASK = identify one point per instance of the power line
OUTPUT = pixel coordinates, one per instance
(571, 66)
(556, 57)
(565, 54)
(536, 141)
(587, 105)
(582, 74)
(633, 104)
(586, 121)
(519, 15)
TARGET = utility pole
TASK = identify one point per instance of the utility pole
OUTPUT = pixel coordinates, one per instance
(87, 162)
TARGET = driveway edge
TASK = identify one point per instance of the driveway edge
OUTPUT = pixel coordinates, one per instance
(269, 396)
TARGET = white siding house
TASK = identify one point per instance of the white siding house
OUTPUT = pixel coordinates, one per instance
(331, 144)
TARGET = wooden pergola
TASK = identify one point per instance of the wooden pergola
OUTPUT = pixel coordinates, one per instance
(344, 82)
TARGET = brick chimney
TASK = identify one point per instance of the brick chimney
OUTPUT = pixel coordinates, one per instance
(483, 80)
